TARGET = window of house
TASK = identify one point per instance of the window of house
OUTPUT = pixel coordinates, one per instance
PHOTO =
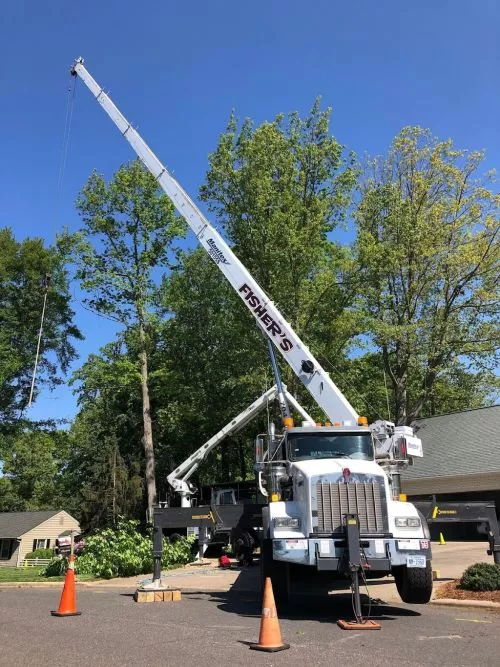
(5, 549)
(41, 544)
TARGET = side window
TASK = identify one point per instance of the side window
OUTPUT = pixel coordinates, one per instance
(41, 544)
(226, 498)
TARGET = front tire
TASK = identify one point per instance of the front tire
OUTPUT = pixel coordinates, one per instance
(278, 571)
(414, 584)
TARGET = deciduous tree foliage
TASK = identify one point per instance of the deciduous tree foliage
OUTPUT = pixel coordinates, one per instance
(278, 191)
(428, 253)
(129, 230)
(33, 461)
(405, 320)
(23, 269)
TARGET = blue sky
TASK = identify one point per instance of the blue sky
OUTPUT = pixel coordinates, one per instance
(177, 69)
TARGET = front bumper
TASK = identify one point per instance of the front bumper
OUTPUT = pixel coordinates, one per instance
(380, 554)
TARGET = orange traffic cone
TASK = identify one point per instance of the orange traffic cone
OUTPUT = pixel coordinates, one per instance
(67, 605)
(270, 633)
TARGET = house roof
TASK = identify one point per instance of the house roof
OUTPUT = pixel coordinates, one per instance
(15, 524)
(460, 443)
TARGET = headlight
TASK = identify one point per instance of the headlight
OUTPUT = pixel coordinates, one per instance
(407, 522)
(286, 522)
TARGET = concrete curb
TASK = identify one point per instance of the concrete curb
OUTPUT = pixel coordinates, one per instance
(450, 602)
(39, 584)
(32, 584)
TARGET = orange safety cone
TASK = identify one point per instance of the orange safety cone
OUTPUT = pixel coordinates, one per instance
(67, 605)
(270, 633)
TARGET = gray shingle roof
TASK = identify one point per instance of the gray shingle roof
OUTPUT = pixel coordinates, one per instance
(15, 524)
(460, 443)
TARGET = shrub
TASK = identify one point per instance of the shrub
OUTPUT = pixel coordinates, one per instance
(124, 552)
(55, 568)
(41, 553)
(481, 577)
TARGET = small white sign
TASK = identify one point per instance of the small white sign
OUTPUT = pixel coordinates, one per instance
(324, 546)
(379, 547)
(408, 545)
(416, 561)
(296, 544)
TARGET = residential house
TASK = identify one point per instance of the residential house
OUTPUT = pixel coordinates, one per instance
(23, 532)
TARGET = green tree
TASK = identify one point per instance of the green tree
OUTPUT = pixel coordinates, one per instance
(33, 460)
(128, 235)
(278, 191)
(23, 270)
(428, 254)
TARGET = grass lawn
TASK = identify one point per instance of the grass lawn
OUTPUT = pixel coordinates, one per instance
(32, 574)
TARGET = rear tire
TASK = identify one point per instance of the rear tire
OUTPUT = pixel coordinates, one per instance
(278, 571)
(414, 584)
(242, 545)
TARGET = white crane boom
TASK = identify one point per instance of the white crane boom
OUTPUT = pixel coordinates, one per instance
(298, 356)
(178, 478)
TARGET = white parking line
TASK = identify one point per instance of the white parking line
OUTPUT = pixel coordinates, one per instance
(423, 638)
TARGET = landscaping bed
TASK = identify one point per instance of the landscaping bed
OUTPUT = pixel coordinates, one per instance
(451, 590)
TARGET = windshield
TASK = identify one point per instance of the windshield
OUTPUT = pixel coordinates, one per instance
(325, 446)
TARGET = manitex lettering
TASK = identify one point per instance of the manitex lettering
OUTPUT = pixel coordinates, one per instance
(268, 322)
(216, 254)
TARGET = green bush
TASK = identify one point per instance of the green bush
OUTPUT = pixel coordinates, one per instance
(124, 552)
(55, 568)
(41, 553)
(481, 577)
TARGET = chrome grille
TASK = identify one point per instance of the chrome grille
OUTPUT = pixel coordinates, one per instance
(336, 499)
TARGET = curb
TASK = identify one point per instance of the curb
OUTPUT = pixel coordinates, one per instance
(482, 604)
(39, 584)
(30, 584)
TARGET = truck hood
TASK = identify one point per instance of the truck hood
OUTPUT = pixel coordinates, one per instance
(333, 467)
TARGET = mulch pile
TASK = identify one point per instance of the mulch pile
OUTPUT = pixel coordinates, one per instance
(450, 590)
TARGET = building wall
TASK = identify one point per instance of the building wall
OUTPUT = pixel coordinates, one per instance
(50, 529)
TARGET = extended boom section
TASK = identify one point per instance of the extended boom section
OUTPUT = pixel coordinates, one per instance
(297, 355)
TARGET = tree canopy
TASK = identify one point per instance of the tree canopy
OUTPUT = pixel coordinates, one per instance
(428, 253)
(24, 268)
(405, 317)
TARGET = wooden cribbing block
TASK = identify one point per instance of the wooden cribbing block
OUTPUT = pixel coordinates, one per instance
(142, 595)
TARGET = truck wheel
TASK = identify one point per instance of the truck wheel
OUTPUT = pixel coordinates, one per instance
(242, 545)
(414, 584)
(277, 571)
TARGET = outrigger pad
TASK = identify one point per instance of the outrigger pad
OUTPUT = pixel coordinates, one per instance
(354, 625)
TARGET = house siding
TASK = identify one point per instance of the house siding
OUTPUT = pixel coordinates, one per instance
(50, 529)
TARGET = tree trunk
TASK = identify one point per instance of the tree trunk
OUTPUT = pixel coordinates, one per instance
(148, 429)
(401, 401)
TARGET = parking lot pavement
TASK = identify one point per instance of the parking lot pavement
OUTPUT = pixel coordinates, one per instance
(214, 629)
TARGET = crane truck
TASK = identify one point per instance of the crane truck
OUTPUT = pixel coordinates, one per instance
(333, 509)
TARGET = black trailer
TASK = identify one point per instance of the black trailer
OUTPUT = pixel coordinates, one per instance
(241, 524)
